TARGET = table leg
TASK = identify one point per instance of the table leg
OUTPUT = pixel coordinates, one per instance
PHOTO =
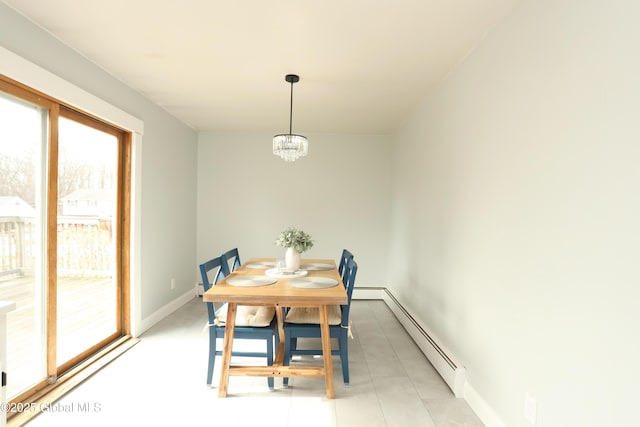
(326, 351)
(279, 357)
(227, 348)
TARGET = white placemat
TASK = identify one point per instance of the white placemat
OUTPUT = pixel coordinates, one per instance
(316, 266)
(272, 272)
(263, 265)
(313, 282)
(250, 281)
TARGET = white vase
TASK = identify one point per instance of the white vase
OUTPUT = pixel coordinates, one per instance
(292, 259)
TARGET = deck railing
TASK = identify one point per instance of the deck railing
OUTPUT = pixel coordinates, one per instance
(16, 245)
(85, 246)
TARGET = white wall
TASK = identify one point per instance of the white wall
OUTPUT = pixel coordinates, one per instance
(339, 194)
(515, 224)
(166, 169)
(515, 204)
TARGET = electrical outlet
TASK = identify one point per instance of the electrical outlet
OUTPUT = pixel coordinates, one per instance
(530, 409)
(173, 283)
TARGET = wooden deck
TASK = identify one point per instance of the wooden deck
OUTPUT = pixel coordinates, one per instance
(86, 314)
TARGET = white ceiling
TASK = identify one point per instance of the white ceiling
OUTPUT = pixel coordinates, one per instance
(220, 65)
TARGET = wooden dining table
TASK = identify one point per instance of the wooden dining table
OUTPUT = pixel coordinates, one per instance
(279, 294)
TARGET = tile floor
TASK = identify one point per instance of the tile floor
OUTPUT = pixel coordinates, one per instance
(161, 381)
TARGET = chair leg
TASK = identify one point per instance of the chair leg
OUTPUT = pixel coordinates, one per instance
(270, 359)
(344, 357)
(212, 355)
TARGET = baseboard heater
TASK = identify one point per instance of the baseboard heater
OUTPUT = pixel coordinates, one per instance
(452, 372)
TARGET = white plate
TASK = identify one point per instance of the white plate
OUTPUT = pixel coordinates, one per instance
(250, 281)
(272, 272)
(264, 265)
(313, 282)
(317, 266)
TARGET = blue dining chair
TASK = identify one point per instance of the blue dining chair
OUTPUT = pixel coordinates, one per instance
(233, 255)
(302, 322)
(346, 256)
(255, 323)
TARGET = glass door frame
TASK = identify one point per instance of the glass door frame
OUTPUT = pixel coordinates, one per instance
(122, 223)
(122, 228)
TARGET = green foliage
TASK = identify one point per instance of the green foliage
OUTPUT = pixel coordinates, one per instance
(296, 239)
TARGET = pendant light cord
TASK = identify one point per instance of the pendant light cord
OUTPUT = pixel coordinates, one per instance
(291, 109)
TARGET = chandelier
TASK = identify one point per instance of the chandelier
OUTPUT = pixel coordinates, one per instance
(290, 146)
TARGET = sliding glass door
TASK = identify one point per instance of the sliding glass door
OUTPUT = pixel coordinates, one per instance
(23, 136)
(87, 292)
(63, 236)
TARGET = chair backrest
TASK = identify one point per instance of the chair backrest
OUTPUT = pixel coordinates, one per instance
(211, 272)
(232, 254)
(346, 256)
(350, 270)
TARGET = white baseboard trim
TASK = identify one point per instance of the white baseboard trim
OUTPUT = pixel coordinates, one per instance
(164, 311)
(367, 293)
(457, 381)
(451, 371)
(199, 289)
(485, 412)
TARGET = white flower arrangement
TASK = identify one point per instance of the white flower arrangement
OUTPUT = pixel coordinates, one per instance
(296, 239)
